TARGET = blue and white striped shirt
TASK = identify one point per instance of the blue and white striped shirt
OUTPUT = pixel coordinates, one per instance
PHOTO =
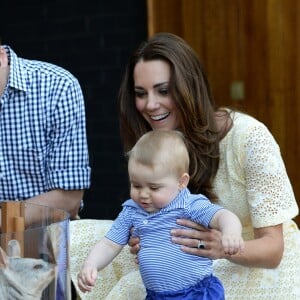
(43, 142)
(163, 266)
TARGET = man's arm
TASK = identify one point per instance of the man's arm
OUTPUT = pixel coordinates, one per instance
(61, 199)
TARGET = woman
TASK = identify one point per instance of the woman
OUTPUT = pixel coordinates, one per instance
(235, 161)
(233, 156)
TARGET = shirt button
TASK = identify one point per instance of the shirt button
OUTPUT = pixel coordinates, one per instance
(145, 222)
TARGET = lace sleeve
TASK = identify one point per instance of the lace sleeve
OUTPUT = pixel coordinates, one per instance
(269, 192)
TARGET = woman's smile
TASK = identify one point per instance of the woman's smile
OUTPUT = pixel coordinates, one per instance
(160, 117)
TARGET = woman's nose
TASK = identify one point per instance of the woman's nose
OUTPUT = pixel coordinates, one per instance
(152, 102)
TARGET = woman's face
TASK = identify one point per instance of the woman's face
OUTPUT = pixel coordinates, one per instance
(152, 96)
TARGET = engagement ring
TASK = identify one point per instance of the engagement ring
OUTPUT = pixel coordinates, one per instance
(201, 245)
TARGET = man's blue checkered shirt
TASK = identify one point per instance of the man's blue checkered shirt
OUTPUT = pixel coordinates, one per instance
(43, 142)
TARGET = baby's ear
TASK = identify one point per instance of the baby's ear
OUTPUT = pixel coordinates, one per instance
(184, 180)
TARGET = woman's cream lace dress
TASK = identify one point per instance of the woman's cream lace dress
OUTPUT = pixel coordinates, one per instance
(252, 182)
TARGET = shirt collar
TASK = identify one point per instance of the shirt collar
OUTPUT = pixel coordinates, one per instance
(6, 48)
(180, 201)
(17, 73)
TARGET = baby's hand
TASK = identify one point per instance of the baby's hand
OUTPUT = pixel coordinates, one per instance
(87, 278)
(232, 244)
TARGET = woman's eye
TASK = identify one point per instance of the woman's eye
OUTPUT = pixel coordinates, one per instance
(140, 94)
(164, 92)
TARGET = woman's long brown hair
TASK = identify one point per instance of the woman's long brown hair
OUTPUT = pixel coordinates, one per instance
(190, 90)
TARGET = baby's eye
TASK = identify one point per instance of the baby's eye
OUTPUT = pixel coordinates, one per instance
(136, 186)
(154, 188)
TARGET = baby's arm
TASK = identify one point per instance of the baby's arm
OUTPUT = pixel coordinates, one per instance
(231, 228)
(99, 257)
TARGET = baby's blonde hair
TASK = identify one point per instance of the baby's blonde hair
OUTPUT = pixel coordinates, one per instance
(164, 148)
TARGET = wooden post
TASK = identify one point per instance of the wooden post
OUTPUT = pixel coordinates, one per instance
(12, 224)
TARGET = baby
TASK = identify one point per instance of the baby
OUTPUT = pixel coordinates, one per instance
(158, 167)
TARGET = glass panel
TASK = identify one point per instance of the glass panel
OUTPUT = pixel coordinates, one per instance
(34, 261)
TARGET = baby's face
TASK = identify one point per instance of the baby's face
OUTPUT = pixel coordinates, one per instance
(152, 187)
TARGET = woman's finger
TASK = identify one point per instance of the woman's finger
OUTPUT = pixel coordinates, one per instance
(133, 241)
(190, 234)
(191, 224)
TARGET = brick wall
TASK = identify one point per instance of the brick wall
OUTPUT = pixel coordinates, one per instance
(92, 39)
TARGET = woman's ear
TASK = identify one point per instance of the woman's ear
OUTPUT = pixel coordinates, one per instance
(184, 180)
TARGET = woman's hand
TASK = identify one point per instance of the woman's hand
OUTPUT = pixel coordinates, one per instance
(134, 244)
(264, 251)
(193, 240)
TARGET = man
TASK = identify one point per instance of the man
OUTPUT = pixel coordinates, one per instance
(43, 147)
